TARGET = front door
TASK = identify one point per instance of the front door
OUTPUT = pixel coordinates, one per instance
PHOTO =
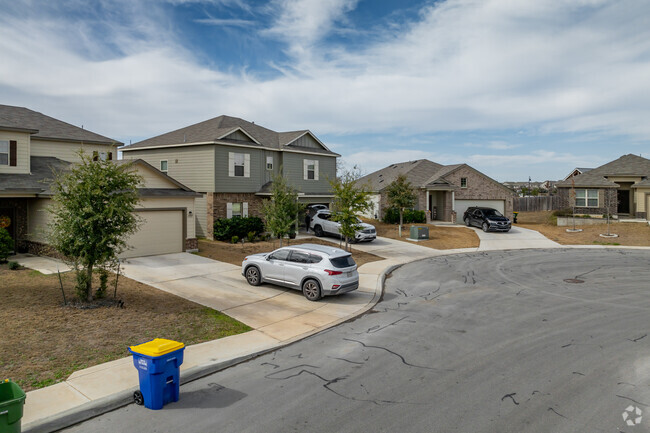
(8, 221)
(623, 196)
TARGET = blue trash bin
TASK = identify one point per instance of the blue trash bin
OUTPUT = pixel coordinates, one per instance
(158, 362)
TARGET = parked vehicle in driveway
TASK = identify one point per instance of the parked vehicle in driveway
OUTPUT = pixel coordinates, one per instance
(322, 224)
(486, 218)
(312, 209)
(316, 270)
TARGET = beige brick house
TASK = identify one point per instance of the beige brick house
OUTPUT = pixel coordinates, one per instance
(445, 191)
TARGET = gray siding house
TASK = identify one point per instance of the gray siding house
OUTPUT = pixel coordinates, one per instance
(231, 163)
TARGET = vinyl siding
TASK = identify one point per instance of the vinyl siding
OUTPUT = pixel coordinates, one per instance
(226, 183)
(67, 151)
(152, 179)
(22, 152)
(201, 216)
(293, 171)
(38, 219)
(307, 141)
(193, 166)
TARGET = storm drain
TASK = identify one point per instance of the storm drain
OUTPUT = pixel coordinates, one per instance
(573, 281)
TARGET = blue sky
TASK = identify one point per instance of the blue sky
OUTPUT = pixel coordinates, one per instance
(515, 88)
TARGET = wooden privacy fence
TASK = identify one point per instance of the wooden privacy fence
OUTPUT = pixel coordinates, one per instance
(536, 204)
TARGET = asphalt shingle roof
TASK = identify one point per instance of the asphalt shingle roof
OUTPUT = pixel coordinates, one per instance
(213, 129)
(417, 173)
(626, 165)
(36, 182)
(46, 127)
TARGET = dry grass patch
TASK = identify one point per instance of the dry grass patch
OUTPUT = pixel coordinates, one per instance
(43, 342)
(629, 234)
(235, 253)
(440, 237)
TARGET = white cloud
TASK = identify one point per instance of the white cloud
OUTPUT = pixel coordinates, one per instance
(225, 22)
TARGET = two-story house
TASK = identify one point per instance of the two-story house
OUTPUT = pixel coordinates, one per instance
(231, 162)
(33, 146)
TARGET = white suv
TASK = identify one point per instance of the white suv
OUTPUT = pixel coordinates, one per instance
(317, 270)
(322, 224)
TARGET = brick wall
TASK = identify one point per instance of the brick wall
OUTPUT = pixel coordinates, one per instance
(217, 206)
(191, 244)
(567, 201)
(480, 187)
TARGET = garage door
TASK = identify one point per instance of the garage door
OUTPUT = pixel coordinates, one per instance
(462, 205)
(161, 232)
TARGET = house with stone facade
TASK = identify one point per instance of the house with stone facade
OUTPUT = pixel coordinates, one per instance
(622, 185)
(444, 191)
(231, 162)
(33, 147)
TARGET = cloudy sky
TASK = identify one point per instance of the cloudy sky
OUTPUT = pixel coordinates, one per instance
(515, 88)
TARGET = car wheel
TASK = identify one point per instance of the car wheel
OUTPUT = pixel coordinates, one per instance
(311, 290)
(253, 276)
(485, 227)
(318, 231)
(467, 222)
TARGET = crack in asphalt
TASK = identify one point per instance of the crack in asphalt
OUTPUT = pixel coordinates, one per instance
(631, 399)
(556, 412)
(271, 364)
(396, 354)
(347, 360)
(638, 338)
(512, 397)
(378, 328)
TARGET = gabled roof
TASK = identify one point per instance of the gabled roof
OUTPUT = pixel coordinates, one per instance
(216, 130)
(626, 165)
(417, 173)
(46, 127)
(155, 170)
(35, 183)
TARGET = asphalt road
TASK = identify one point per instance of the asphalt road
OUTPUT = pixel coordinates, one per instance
(483, 342)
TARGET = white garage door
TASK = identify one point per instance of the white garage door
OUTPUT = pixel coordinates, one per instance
(462, 205)
(161, 232)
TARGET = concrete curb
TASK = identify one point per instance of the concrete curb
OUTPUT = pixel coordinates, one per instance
(123, 398)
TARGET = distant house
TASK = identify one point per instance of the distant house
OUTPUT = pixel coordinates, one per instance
(623, 185)
(442, 190)
(231, 163)
(33, 146)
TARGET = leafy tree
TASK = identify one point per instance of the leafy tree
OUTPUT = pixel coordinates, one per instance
(401, 195)
(92, 211)
(349, 200)
(281, 211)
(6, 244)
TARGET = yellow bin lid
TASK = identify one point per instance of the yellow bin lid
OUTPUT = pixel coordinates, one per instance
(157, 347)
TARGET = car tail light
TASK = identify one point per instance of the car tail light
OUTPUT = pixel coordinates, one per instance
(336, 286)
(330, 272)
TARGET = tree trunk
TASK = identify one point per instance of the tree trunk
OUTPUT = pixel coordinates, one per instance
(401, 213)
(89, 283)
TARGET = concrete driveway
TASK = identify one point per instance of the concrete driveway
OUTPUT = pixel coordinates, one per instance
(281, 313)
(516, 238)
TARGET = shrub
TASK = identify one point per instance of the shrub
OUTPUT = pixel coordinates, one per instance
(226, 228)
(234, 239)
(13, 265)
(251, 236)
(82, 285)
(6, 244)
(563, 212)
(410, 216)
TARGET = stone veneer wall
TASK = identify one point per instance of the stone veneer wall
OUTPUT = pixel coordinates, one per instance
(480, 187)
(217, 206)
(191, 244)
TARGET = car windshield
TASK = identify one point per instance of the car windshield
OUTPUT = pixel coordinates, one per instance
(492, 212)
(342, 262)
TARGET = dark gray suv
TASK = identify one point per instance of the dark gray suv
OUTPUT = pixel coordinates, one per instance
(490, 220)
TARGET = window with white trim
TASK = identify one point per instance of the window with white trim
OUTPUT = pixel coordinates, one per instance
(269, 163)
(4, 152)
(163, 166)
(463, 182)
(310, 169)
(239, 164)
(237, 210)
(586, 198)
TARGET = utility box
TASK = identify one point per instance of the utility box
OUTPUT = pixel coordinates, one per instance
(419, 232)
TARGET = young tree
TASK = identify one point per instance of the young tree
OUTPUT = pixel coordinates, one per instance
(92, 211)
(349, 200)
(281, 211)
(401, 195)
(6, 244)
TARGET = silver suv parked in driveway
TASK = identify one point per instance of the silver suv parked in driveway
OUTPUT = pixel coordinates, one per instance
(316, 270)
(322, 224)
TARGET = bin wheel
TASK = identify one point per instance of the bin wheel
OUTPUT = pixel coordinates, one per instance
(138, 398)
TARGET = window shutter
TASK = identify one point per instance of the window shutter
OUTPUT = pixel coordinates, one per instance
(305, 163)
(244, 210)
(247, 165)
(13, 153)
(229, 210)
(231, 164)
(315, 170)
(110, 156)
